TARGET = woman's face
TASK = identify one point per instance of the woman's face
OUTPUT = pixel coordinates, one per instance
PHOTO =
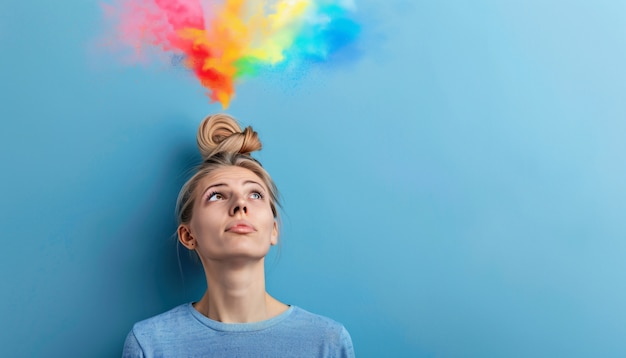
(232, 216)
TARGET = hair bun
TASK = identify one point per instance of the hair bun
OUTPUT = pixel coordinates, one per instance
(221, 133)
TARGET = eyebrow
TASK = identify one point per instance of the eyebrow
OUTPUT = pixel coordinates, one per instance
(212, 186)
(253, 182)
(224, 184)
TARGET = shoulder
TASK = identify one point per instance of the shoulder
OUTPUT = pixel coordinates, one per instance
(327, 332)
(163, 328)
(164, 321)
(166, 334)
(305, 317)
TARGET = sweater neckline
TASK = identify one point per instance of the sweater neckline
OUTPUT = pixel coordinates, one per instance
(238, 327)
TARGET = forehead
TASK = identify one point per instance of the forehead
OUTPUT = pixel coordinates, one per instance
(230, 175)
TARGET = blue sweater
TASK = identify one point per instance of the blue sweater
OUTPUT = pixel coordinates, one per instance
(185, 332)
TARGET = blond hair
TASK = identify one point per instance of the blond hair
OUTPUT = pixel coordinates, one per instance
(222, 143)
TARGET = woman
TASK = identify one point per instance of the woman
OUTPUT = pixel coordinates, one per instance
(227, 215)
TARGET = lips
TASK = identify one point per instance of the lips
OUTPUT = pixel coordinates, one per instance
(240, 227)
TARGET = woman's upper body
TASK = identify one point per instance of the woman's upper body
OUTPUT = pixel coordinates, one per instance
(227, 215)
(185, 332)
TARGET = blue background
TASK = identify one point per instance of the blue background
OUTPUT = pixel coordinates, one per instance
(457, 192)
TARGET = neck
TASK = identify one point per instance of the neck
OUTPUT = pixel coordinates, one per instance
(236, 293)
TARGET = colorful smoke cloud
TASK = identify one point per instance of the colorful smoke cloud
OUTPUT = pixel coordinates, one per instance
(224, 41)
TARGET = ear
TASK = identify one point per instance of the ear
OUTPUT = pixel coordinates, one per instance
(274, 237)
(185, 237)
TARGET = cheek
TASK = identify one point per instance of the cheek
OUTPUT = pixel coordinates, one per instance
(269, 221)
(202, 222)
(265, 211)
(262, 214)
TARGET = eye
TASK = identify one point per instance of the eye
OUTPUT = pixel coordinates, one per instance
(215, 196)
(256, 195)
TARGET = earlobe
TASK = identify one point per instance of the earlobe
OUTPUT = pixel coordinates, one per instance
(185, 237)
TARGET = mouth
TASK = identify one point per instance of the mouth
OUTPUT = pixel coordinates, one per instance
(240, 228)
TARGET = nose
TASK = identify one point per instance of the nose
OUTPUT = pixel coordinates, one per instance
(238, 205)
